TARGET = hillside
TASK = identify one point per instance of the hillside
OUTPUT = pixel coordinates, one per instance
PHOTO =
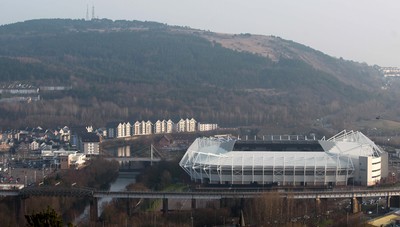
(132, 70)
(276, 48)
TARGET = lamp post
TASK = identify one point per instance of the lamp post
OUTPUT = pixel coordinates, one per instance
(377, 205)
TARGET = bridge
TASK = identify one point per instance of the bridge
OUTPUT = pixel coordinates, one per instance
(231, 194)
(126, 158)
(392, 195)
(55, 191)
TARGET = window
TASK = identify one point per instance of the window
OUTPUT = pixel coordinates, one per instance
(309, 173)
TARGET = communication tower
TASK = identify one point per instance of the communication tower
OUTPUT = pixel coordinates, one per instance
(87, 12)
(93, 13)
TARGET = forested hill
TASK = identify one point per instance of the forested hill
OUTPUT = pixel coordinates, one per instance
(132, 70)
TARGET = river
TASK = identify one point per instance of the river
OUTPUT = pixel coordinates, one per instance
(123, 180)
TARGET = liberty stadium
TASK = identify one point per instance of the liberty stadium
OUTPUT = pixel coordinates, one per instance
(347, 158)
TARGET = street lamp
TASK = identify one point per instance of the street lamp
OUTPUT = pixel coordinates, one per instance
(377, 204)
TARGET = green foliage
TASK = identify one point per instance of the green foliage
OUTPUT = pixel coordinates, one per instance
(18, 70)
(99, 174)
(141, 56)
(162, 175)
(46, 218)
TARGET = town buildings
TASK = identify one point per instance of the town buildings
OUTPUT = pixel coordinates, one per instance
(126, 129)
(90, 143)
(84, 141)
(390, 71)
(50, 145)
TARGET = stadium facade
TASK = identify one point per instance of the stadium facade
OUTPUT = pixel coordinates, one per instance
(346, 158)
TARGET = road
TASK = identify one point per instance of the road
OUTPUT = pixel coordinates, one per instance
(26, 176)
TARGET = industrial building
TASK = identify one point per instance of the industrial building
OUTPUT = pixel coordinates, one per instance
(346, 158)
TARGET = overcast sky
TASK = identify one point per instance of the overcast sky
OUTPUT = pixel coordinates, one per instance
(360, 30)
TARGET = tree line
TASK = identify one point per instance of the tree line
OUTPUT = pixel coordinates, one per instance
(155, 73)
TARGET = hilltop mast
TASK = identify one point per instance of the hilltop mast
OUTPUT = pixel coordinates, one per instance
(92, 12)
(87, 12)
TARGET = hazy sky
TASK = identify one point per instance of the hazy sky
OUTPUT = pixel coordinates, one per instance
(360, 30)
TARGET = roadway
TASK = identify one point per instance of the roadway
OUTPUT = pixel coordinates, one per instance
(339, 194)
(133, 159)
(212, 194)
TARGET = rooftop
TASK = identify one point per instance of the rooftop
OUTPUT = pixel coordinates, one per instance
(276, 146)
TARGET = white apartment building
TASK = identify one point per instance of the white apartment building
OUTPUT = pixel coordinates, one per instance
(90, 144)
(207, 127)
(91, 148)
(170, 126)
(121, 130)
(137, 128)
(124, 130)
(191, 125)
(143, 125)
(390, 71)
(128, 129)
(187, 125)
(181, 126)
(34, 146)
(143, 128)
(148, 128)
(162, 127)
(159, 127)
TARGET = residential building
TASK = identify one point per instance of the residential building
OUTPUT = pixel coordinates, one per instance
(164, 126)
(207, 127)
(22, 147)
(120, 130)
(191, 125)
(128, 129)
(187, 125)
(124, 130)
(170, 126)
(76, 160)
(111, 129)
(165, 141)
(22, 135)
(4, 147)
(158, 127)
(143, 125)
(137, 128)
(34, 145)
(148, 128)
(76, 132)
(181, 126)
(89, 128)
(65, 134)
(90, 143)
